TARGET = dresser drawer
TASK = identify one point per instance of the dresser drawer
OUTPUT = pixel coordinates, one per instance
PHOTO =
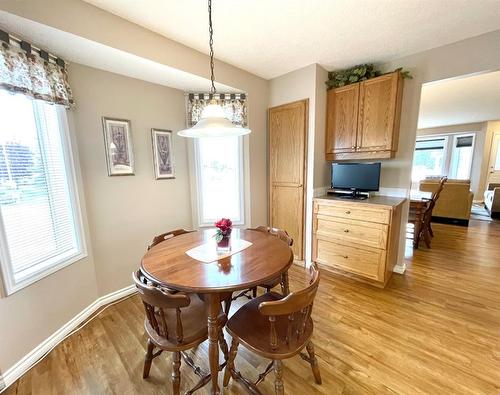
(351, 231)
(380, 216)
(366, 262)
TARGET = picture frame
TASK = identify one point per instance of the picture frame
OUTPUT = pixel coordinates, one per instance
(163, 153)
(118, 146)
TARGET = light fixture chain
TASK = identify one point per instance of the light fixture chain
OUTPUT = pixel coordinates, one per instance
(211, 43)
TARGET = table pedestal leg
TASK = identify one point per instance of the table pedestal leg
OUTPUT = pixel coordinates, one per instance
(213, 339)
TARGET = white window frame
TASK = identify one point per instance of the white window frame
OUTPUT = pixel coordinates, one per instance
(196, 197)
(45, 269)
(445, 149)
(450, 143)
(453, 152)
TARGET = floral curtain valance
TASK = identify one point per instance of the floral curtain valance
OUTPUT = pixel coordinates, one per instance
(30, 74)
(234, 105)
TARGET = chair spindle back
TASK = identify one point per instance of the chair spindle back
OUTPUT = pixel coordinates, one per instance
(279, 233)
(158, 302)
(297, 306)
(168, 235)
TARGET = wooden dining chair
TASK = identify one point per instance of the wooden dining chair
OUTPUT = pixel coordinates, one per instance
(283, 236)
(425, 228)
(289, 327)
(434, 199)
(168, 235)
(226, 297)
(175, 322)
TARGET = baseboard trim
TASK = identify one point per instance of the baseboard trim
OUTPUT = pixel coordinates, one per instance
(25, 364)
(400, 268)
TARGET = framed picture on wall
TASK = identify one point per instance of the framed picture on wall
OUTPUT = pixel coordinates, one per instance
(118, 146)
(163, 153)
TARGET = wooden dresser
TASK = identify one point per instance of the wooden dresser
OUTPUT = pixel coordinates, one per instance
(358, 238)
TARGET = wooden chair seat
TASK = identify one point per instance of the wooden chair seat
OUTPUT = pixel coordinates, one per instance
(251, 328)
(175, 322)
(194, 326)
(277, 327)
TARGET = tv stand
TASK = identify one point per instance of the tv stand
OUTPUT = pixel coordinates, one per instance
(354, 195)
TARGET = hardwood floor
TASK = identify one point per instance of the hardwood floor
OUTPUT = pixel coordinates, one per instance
(435, 330)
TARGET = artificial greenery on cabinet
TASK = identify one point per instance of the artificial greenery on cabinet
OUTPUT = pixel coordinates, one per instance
(355, 74)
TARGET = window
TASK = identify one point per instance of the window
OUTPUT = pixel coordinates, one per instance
(219, 174)
(461, 157)
(429, 158)
(40, 224)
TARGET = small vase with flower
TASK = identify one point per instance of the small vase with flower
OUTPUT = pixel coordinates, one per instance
(223, 234)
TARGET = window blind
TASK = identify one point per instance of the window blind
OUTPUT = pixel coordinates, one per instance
(431, 144)
(38, 213)
(464, 141)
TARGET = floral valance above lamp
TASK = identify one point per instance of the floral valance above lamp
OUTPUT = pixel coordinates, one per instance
(33, 72)
(233, 104)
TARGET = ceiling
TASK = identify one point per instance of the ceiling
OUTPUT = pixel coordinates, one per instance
(80, 50)
(458, 101)
(272, 37)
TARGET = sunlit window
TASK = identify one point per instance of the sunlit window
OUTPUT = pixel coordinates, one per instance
(40, 223)
(461, 157)
(429, 158)
(219, 169)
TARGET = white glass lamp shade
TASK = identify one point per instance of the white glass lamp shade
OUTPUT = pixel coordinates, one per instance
(213, 123)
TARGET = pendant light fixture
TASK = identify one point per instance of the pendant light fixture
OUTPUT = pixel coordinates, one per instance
(213, 121)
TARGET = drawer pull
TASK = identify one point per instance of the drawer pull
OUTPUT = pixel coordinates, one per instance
(345, 256)
(346, 230)
(348, 212)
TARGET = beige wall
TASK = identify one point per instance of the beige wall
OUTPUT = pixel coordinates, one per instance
(125, 212)
(322, 170)
(477, 159)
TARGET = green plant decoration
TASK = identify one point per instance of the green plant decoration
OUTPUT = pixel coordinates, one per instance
(355, 74)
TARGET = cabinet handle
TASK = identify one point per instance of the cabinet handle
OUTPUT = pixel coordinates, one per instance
(358, 147)
(346, 230)
(353, 147)
(348, 212)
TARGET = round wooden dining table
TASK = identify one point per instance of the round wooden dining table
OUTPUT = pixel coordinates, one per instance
(168, 264)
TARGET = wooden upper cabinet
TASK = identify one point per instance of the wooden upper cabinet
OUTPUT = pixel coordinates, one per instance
(342, 119)
(377, 113)
(374, 132)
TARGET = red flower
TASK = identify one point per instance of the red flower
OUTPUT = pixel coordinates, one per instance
(225, 225)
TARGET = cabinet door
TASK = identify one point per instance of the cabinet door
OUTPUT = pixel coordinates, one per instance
(287, 170)
(377, 113)
(342, 119)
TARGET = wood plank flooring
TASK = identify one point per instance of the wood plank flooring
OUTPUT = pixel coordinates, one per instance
(435, 330)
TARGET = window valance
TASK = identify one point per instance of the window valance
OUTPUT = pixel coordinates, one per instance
(39, 77)
(234, 105)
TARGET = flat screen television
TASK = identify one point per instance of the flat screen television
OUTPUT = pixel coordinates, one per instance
(356, 177)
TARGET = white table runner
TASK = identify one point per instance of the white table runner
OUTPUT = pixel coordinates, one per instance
(207, 252)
